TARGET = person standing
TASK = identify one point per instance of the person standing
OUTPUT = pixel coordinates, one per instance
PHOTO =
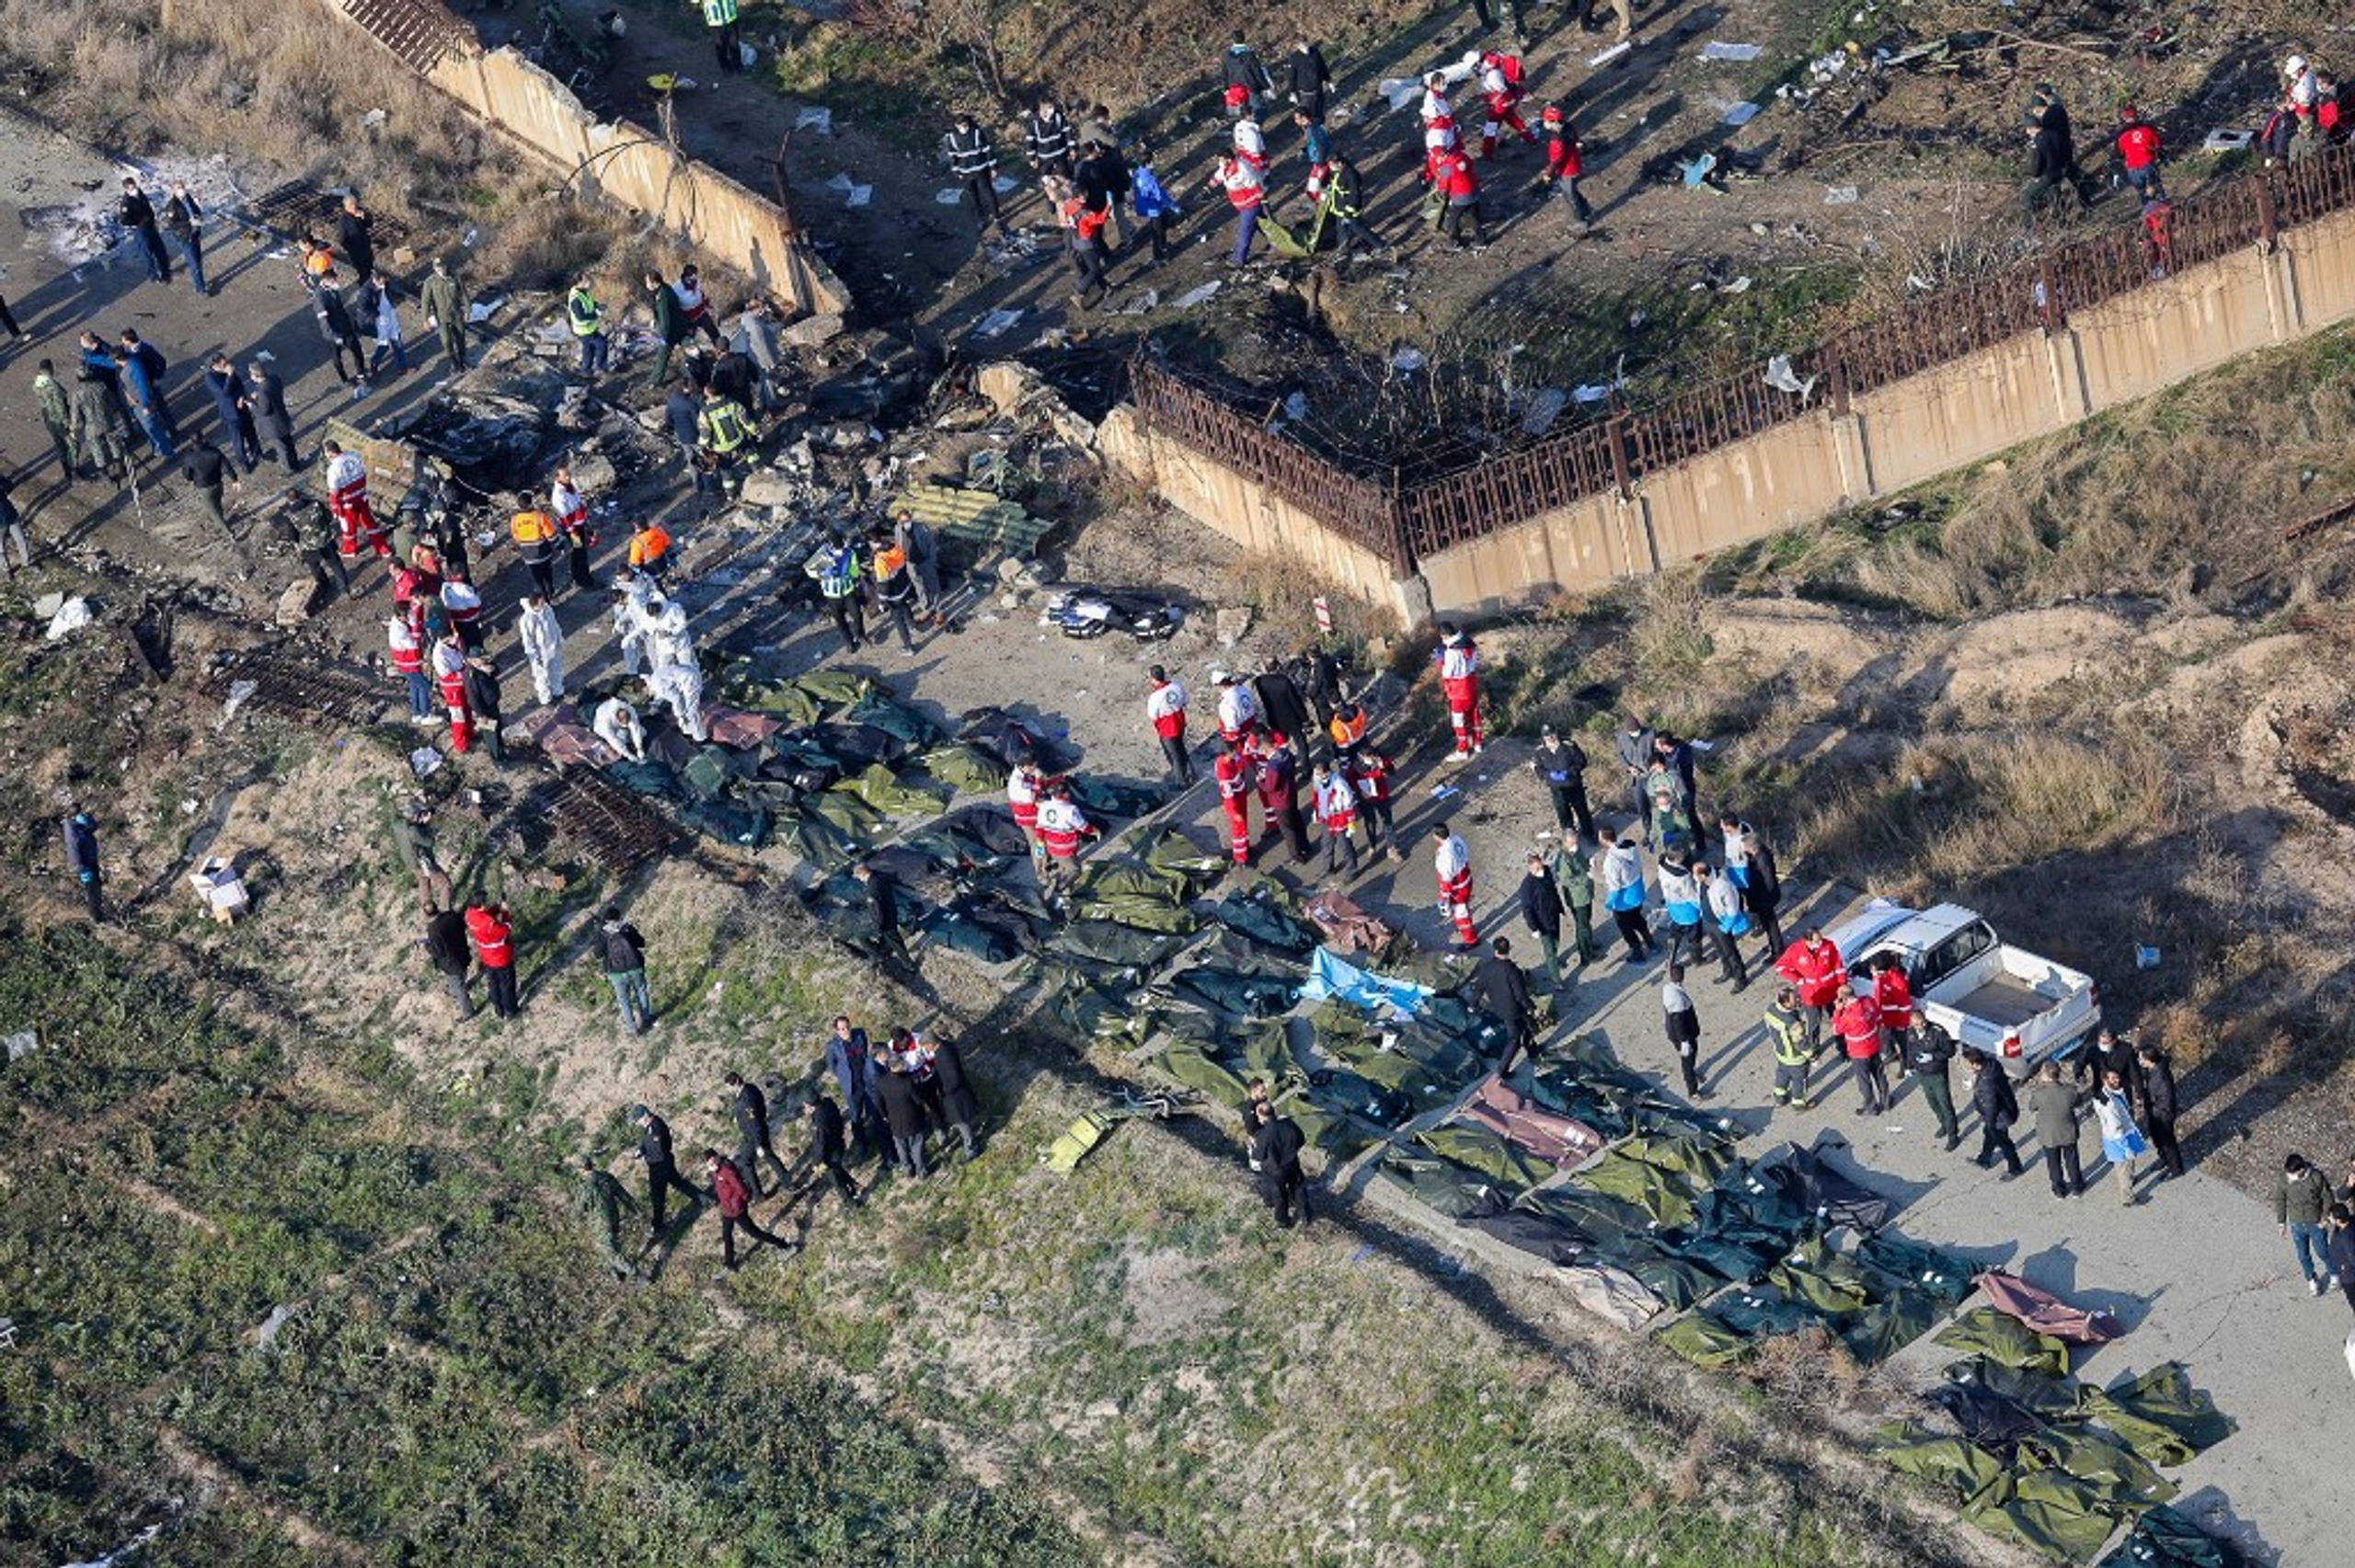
(542, 636)
(1024, 792)
(2049, 162)
(883, 910)
(1813, 965)
(99, 432)
(1634, 747)
(973, 158)
(662, 1176)
(1062, 826)
(1247, 83)
(1998, 1108)
(569, 509)
(1458, 185)
(850, 1060)
(2122, 1143)
(383, 317)
(1750, 861)
(895, 589)
(1728, 919)
(837, 567)
(1369, 769)
(2301, 1198)
(915, 537)
(1335, 800)
(1927, 1053)
(1282, 706)
(1103, 180)
(234, 407)
(1246, 189)
(625, 955)
(751, 1109)
(601, 1201)
(484, 695)
(1541, 910)
(1459, 678)
(183, 225)
(587, 319)
(895, 1093)
(492, 929)
(1165, 709)
(137, 216)
(1856, 1020)
(1276, 1145)
(1893, 993)
(2340, 1253)
(1624, 9)
(448, 664)
(2156, 1099)
(1564, 164)
(735, 1201)
(82, 860)
(445, 945)
(649, 550)
(720, 19)
(208, 473)
(336, 327)
(1452, 864)
(2052, 1105)
(142, 392)
(1239, 710)
(272, 424)
(355, 235)
(1560, 766)
(1684, 1023)
(1623, 893)
(1503, 990)
(56, 417)
(670, 327)
(1573, 872)
(959, 1106)
(1307, 79)
(444, 301)
(535, 534)
(1047, 135)
(826, 1144)
(2139, 155)
(1793, 1054)
(1280, 794)
(406, 651)
(1153, 205)
(1680, 896)
(1232, 770)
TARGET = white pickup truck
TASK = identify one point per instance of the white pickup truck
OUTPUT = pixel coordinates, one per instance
(1987, 997)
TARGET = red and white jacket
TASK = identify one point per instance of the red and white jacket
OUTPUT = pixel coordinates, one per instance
(1022, 798)
(1061, 826)
(1241, 181)
(1451, 172)
(463, 601)
(1238, 711)
(1859, 1027)
(1337, 802)
(1453, 865)
(572, 512)
(1816, 971)
(347, 485)
(1165, 706)
(1894, 993)
(1232, 771)
(408, 654)
(1459, 673)
(1370, 772)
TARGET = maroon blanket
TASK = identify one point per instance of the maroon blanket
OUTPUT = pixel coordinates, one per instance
(1523, 1122)
(734, 726)
(559, 732)
(1347, 928)
(2045, 1312)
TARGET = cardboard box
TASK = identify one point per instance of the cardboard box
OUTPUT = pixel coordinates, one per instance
(218, 886)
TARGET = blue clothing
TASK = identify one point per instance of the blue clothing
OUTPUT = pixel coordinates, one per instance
(851, 1063)
(1317, 147)
(1152, 200)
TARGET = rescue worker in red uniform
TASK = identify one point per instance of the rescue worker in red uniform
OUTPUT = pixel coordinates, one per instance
(492, 930)
(1459, 678)
(1812, 966)
(1369, 769)
(449, 674)
(1500, 86)
(1062, 826)
(1452, 863)
(407, 654)
(1564, 164)
(347, 502)
(1232, 771)
(1164, 706)
(1336, 812)
(1023, 788)
(1280, 792)
(1857, 1018)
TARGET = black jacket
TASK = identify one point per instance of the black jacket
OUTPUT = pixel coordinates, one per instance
(654, 1142)
(2158, 1092)
(971, 152)
(956, 1089)
(625, 949)
(1244, 70)
(482, 691)
(1277, 1146)
(1279, 702)
(902, 1111)
(354, 237)
(203, 467)
(751, 1112)
(1766, 889)
(2049, 156)
(1049, 139)
(1931, 1051)
(445, 941)
(1103, 177)
(826, 1133)
(882, 901)
(135, 212)
(1308, 78)
(1504, 990)
(270, 404)
(1993, 1098)
(1541, 903)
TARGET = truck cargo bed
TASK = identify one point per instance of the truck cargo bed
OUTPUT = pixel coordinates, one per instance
(2005, 1002)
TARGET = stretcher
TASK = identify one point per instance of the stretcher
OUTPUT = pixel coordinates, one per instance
(1092, 1127)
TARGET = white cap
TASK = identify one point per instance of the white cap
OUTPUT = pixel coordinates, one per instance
(2294, 66)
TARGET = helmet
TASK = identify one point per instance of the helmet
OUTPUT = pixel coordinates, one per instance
(2294, 66)
(1553, 115)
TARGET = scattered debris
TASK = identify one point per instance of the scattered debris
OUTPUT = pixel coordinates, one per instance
(266, 1335)
(1615, 51)
(1716, 51)
(1741, 114)
(2227, 140)
(1408, 361)
(70, 617)
(1196, 296)
(813, 118)
(996, 324)
(425, 762)
(21, 1044)
(1783, 378)
(1232, 624)
(1839, 195)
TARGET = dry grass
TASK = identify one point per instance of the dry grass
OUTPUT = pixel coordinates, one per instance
(279, 81)
(1954, 809)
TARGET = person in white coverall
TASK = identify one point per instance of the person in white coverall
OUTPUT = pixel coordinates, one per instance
(681, 686)
(543, 637)
(617, 725)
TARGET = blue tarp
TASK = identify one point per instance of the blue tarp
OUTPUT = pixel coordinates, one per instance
(1329, 976)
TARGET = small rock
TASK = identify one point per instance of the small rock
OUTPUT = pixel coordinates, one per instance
(592, 472)
(812, 330)
(1234, 624)
(294, 604)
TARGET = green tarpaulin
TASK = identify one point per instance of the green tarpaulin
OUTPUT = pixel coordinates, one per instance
(2046, 1511)
(2006, 1341)
(2054, 1399)
(1265, 916)
(1474, 1147)
(2105, 1467)
(1239, 995)
(1101, 797)
(1834, 1286)
(1442, 1185)
(2165, 1539)
(878, 787)
(1107, 942)
(898, 720)
(1124, 876)
(965, 769)
(2159, 1413)
(1889, 1325)
(1196, 1068)
(1704, 1342)
(1957, 1463)
(1763, 1311)
(1168, 848)
(804, 700)
(1942, 1275)
(1145, 911)
(1658, 1192)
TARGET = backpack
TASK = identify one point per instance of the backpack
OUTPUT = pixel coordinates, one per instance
(1508, 66)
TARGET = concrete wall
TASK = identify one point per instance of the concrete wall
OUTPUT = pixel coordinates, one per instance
(2033, 386)
(625, 163)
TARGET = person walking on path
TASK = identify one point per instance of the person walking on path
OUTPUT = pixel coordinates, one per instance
(272, 424)
(1276, 1145)
(1246, 189)
(903, 1117)
(973, 159)
(1856, 1020)
(1633, 746)
(1307, 79)
(137, 216)
(1540, 911)
(1683, 1029)
(601, 1201)
(587, 319)
(624, 952)
(56, 417)
(1926, 1054)
(492, 929)
(895, 590)
(2052, 1107)
(1573, 871)
(183, 223)
(1560, 766)
(735, 1201)
(662, 1176)
(2340, 1253)
(1165, 709)
(1728, 922)
(1813, 965)
(1623, 893)
(1565, 162)
(535, 533)
(2122, 1143)
(826, 1144)
(82, 860)
(720, 19)
(1793, 1054)
(2155, 1099)
(751, 1109)
(336, 328)
(2301, 1198)
(1248, 83)
(1893, 993)
(443, 299)
(406, 650)
(1503, 990)
(208, 473)
(449, 666)
(542, 636)
(1452, 865)
(355, 235)
(445, 945)
(1458, 659)
(1998, 1108)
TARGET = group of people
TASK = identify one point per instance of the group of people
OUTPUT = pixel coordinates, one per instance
(887, 1099)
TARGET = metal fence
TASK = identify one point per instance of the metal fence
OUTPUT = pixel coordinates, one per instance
(2037, 292)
